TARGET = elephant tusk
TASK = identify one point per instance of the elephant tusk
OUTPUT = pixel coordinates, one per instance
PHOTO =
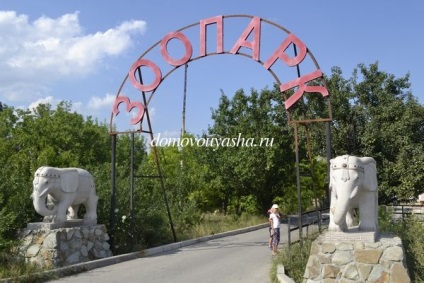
(354, 192)
(43, 193)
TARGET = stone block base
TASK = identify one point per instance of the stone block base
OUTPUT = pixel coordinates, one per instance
(66, 224)
(352, 235)
(356, 261)
(64, 246)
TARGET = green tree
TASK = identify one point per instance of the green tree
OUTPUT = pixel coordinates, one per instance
(262, 173)
(375, 114)
(42, 137)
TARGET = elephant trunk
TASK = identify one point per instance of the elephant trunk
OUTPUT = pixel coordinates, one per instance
(343, 205)
(340, 216)
(341, 209)
(39, 201)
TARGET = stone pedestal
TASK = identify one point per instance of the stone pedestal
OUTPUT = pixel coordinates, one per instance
(352, 235)
(356, 261)
(60, 247)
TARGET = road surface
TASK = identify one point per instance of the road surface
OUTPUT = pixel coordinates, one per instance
(243, 257)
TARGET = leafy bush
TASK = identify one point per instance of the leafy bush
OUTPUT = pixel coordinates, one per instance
(411, 231)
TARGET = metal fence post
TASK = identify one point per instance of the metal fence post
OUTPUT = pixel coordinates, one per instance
(403, 215)
(288, 233)
(307, 226)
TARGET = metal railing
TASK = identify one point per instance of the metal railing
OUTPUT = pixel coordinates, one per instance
(321, 217)
(316, 217)
(400, 211)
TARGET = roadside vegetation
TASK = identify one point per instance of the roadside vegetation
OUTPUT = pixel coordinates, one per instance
(294, 259)
(12, 267)
(212, 224)
(411, 231)
(374, 114)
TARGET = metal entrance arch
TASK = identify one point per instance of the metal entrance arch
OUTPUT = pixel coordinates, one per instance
(302, 93)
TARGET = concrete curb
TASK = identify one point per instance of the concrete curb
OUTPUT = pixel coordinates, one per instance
(85, 266)
(281, 275)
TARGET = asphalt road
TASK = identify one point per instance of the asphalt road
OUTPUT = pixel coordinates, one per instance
(242, 257)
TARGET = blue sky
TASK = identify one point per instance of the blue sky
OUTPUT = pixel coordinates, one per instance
(81, 51)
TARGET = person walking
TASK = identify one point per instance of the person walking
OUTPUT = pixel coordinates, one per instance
(274, 220)
(270, 230)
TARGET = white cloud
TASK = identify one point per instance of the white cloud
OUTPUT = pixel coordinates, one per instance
(97, 103)
(21, 91)
(152, 113)
(34, 55)
(96, 106)
(46, 100)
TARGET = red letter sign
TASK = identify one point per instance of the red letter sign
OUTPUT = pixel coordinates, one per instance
(138, 85)
(187, 45)
(130, 106)
(279, 53)
(219, 34)
(301, 83)
(255, 26)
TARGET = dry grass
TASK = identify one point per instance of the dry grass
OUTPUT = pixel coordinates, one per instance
(218, 223)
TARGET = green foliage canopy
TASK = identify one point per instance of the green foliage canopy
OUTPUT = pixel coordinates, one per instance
(374, 114)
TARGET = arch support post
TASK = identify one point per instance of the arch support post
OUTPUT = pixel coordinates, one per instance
(112, 192)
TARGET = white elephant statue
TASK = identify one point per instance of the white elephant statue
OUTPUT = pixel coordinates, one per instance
(353, 184)
(65, 189)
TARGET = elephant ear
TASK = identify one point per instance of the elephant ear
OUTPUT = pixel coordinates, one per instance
(330, 185)
(370, 178)
(332, 162)
(69, 181)
(37, 175)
